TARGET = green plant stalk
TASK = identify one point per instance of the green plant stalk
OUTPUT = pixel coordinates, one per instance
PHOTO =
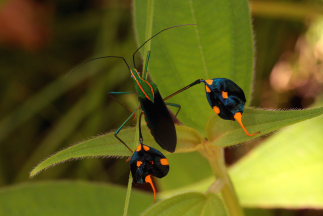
(129, 187)
(223, 183)
(148, 34)
(145, 76)
(127, 200)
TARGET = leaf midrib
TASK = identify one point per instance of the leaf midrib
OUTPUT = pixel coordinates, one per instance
(205, 69)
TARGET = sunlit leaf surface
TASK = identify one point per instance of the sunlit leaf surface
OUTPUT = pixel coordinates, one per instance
(108, 146)
(226, 133)
(220, 45)
(189, 204)
(285, 171)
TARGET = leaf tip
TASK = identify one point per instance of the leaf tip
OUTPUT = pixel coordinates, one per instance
(34, 172)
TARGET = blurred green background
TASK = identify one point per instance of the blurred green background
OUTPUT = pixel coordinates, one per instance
(47, 104)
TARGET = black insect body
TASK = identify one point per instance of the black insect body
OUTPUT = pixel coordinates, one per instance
(159, 121)
(225, 97)
(147, 162)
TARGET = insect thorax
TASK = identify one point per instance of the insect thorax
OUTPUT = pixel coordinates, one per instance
(144, 88)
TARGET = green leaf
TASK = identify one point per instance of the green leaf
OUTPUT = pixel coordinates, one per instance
(227, 133)
(107, 145)
(189, 204)
(69, 198)
(184, 169)
(285, 171)
(221, 45)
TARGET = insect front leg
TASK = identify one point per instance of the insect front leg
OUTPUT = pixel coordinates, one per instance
(120, 93)
(183, 89)
(120, 128)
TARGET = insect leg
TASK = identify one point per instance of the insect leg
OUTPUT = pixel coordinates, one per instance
(120, 128)
(141, 139)
(112, 96)
(119, 93)
(178, 106)
(183, 89)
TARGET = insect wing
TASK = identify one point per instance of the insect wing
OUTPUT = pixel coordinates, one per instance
(160, 122)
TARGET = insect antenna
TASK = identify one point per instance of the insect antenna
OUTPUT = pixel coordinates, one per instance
(176, 26)
(104, 57)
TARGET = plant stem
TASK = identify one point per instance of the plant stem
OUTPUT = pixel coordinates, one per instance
(126, 203)
(231, 199)
(215, 156)
(129, 187)
(148, 34)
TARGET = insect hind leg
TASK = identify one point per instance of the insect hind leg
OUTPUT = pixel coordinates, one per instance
(118, 138)
(178, 106)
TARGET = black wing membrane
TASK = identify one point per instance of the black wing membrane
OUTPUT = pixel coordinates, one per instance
(160, 122)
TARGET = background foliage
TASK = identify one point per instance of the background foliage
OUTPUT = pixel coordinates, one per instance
(47, 106)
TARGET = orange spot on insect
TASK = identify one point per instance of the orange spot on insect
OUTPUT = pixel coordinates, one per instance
(216, 110)
(164, 161)
(238, 118)
(139, 163)
(207, 89)
(146, 148)
(149, 180)
(225, 95)
(139, 148)
(210, 81)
